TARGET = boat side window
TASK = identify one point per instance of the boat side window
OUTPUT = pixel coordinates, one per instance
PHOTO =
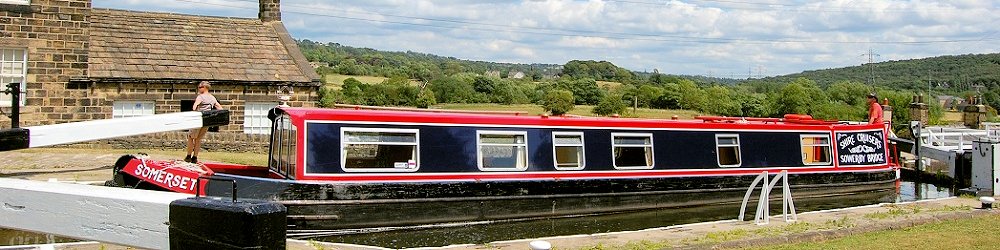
(282, 147)
(567, 149)
(502, 150)
(379, 150)
(632, 150)
(815, 149)
(728, 150)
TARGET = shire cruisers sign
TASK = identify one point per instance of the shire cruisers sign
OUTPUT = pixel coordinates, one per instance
(861, 148)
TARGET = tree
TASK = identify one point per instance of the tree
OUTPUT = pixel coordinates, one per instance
(484, 84)
(692, 97)
(851, 93)
(558, 102)
(328, 97)
(670, 98)
(452, 89)
(426, 99)
(719, 101)
(352, 92)
(609, 105)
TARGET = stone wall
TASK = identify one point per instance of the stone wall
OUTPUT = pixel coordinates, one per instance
(229, 142)
(55, 34)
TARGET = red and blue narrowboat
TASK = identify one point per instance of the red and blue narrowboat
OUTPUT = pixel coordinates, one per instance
(347, 168)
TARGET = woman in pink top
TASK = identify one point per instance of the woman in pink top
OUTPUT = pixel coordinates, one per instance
(204, 101)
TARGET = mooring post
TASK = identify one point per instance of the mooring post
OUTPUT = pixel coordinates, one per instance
(214, 223)
(915, 130)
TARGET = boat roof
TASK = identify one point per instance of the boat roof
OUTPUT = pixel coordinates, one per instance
(450, 117)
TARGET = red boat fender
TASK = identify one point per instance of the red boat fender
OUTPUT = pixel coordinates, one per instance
(798, 117)
(177, 176)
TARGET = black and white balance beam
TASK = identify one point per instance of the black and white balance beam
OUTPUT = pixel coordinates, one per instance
(73, 132)
(140, 218)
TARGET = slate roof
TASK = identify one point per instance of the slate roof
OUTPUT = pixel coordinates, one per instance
(148, 45)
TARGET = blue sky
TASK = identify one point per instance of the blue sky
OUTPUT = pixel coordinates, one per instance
(723, 38)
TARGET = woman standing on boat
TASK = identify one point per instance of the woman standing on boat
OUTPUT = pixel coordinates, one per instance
(205, 101)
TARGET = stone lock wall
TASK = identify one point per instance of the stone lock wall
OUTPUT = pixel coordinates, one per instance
(55, 33)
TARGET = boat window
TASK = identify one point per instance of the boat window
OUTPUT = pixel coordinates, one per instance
(379, 150)
(728, 150)
(632, 151)
(502, 150)
(816, 149)
(282, 148)
(568, 150)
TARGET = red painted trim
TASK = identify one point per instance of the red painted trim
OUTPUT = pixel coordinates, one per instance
(298, 115)
(557, 175)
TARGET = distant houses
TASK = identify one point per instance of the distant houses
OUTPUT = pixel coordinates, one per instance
(510, 75)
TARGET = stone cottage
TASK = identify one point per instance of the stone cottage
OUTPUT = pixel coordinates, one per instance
(80, 63)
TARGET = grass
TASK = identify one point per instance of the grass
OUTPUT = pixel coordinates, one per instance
(583, 110)
(972, 233)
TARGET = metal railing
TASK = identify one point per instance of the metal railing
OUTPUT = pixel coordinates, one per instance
(960, 138)
(762, 216)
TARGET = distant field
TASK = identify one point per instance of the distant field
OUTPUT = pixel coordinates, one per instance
(335, 80)
(583, 110)
(609, 85)
(952, 117)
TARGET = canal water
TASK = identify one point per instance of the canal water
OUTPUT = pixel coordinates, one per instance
(482, 233)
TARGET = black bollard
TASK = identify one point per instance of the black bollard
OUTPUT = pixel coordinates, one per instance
(213, 223)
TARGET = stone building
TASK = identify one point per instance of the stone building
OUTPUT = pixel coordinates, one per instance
(80, 63)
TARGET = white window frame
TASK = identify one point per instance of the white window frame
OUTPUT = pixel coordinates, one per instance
(652, 152)
(23, 74)
(479, 149)
(119, 113)
(582, 145)
(344, 143)
(266, 129)
(739, 150)
(16, 2)
(829, 148)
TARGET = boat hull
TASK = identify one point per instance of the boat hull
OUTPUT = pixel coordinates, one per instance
(313, 205)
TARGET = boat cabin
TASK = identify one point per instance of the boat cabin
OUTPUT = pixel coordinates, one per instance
(346, 145)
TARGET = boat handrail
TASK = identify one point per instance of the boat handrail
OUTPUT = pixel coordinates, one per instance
(490, 112)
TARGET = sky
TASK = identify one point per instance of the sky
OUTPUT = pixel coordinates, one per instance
(721, 38)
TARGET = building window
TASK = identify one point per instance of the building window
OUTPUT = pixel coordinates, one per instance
(567, 150)
(632, 151)
(18, 2)
(125, 109)
(255, 117)
(13, 69)
(502, 150)
(728, 150)
(379, 150)
(816, 149)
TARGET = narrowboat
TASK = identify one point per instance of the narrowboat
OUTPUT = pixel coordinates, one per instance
(348, 168)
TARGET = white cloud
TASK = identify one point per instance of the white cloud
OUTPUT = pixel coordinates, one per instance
(685, 37)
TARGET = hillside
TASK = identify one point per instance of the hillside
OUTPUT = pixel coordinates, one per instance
(346, 60)
(948, 74)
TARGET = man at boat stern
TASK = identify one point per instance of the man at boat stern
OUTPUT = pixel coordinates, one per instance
(874, 110)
